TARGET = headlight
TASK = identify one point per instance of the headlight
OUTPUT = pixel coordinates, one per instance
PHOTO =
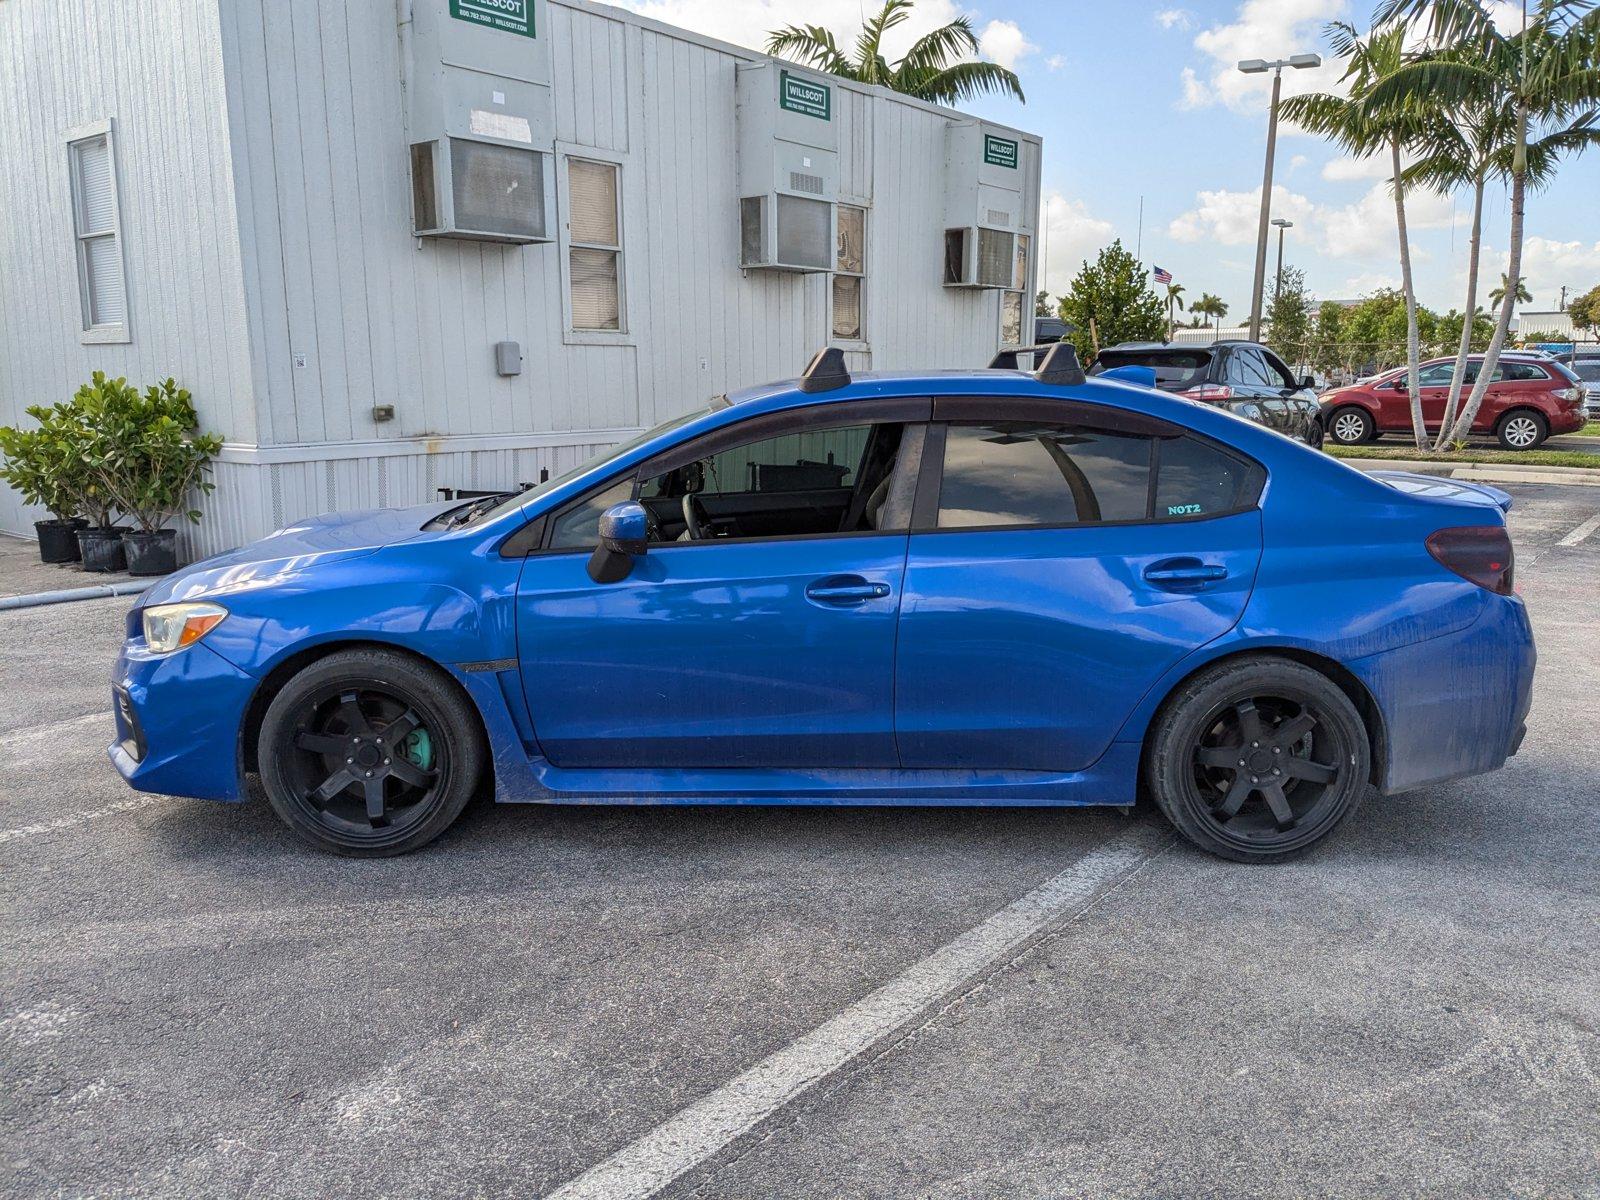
(169, 627)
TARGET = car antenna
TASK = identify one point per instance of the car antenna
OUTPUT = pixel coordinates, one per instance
(825, 372)
(1061, 366)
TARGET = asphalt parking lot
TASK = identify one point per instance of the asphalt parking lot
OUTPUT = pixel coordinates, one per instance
(611, 1000)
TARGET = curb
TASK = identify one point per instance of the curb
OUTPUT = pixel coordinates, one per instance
(1481, 472)
(65, 596)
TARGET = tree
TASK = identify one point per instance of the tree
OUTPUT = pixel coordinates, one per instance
(1174, 305)
(1327, 339)
(1585, 311)
(1365, 127)
(1110, 301)
(1499, 293)
(1454, 331)
(1210, 306)
(933, 69)
(1543, 75)
(1042, 306)
(1289, 318)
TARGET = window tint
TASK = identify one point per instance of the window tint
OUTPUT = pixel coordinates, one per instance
(578, 526)
(1260, 374)
(1017, 473)
(1238, 372)
(792, 462)
(1277, 374)
(1437, 375)
(1523, 372)
(1175, 369)
(1196, 479)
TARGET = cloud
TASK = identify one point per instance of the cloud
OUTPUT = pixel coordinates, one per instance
(1547, 264)
(1056, 61)
(1003, 42)
(1298, 161)
(1174, 18)
(1347, 168)
(1071, 234)
(1367, 283)
(1363, 229)
(1260, 29)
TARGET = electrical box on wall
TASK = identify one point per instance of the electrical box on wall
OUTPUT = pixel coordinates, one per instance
(481, 120)
(788, 147)
(983, 174)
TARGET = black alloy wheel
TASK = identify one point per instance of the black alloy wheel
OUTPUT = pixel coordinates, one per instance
(369, 752)
(1258, 760)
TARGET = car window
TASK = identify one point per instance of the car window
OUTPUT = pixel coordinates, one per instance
(578, 525)
(1279, 375)
(1437, 375)
(1522, 372)
(1175, 370)
(1196, 479)
(1019, 473)
(792, 462)
(1237, 371)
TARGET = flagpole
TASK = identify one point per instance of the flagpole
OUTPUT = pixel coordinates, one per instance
(1138, 244)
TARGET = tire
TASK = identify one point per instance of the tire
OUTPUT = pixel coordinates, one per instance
(411, 745)
(1522, 429)
(1350, 426)
(1314, 433)
(1306, 759)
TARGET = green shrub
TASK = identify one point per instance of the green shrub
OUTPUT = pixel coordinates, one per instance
(42, 465)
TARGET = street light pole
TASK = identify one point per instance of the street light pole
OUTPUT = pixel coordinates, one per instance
(1258, 66)
(1277, 288)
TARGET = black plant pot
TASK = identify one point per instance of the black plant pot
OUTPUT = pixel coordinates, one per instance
(58, 539)
(151, 553)
(102, 548)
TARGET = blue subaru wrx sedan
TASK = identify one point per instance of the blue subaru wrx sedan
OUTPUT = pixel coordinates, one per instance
(975, 587)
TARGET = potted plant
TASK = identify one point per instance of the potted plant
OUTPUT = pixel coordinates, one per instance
(82, 426)
(149, 455)
(40, 465)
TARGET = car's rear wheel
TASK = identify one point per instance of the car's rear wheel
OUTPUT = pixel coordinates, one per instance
(1522, 429)
(1314, 433)
(1352, 426)
(369, 753)
(1258, 760)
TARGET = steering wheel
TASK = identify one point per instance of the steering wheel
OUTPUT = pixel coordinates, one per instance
(695, 518)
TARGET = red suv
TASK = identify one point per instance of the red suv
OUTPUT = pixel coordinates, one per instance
(1528, 400)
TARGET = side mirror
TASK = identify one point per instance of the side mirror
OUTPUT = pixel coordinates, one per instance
(624, 535)
(1306, 381)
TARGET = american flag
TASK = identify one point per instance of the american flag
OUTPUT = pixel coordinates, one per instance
(1163, 276)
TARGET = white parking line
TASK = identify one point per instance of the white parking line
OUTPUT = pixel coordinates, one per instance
(694, 1135)
(22, 831)
(54, 729)
(1581, 532)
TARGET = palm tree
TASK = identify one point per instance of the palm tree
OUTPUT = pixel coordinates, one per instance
(933, 69)
(1543, 76)
(1210, 306)
(1174, 305)
(1364, 127)
(1498, 295)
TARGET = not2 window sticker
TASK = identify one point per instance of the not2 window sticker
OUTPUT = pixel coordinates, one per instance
(1183, 510)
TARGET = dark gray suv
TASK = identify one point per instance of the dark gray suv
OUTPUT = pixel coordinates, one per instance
(1244, 377)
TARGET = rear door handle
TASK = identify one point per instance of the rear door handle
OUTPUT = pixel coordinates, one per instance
(1184, 571)
(844, 590)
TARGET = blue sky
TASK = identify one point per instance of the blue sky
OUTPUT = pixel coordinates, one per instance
(1137, 99)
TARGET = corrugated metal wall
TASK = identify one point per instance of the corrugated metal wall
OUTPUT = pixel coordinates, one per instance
(345, 310)
(155, 68)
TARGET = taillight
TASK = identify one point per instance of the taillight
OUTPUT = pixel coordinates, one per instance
(1480, 553)
(1210, 391)
(1568, 395)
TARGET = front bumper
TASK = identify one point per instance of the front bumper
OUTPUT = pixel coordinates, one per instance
(1454, 705)
(178, 721)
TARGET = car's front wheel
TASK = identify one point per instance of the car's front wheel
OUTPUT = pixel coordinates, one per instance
(1258, 759)
(1352, 426)
(369, 753)
(1522, 429)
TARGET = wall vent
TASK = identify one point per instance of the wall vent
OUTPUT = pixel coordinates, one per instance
(799, 181)
(999, 216)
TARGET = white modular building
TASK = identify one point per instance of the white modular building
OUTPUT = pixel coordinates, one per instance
(398, 245)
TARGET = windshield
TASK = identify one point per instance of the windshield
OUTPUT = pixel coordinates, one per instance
(1175, 369)
(518, 499)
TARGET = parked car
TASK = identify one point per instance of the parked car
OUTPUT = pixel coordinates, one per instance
(1587, 368)
(1049, 330)
(981, 587)
(1528, 399)
(1246, 378)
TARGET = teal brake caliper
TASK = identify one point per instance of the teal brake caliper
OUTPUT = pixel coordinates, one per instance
(417, 749)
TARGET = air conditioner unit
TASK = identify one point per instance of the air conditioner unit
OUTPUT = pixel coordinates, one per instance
(480, 120)
(788, 147)
(983, 206)
(976, 257)
(479, 190)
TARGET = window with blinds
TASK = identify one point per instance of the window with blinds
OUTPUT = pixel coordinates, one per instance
(594, 251)
(102, 284)
(850, 267)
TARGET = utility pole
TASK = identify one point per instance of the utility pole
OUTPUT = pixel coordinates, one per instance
(1259, 66)
(1277, 288)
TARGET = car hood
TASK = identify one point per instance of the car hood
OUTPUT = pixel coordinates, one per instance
(1444, 489)
(331, 537)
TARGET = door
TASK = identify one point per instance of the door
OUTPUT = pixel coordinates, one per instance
(1435, 390)
(758, 628)
(1057, 571)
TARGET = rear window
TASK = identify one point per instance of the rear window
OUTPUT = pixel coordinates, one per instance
(1175, 370)
(1564, 372)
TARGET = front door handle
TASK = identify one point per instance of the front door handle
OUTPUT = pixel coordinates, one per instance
(1184, 572)
(845, 589)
